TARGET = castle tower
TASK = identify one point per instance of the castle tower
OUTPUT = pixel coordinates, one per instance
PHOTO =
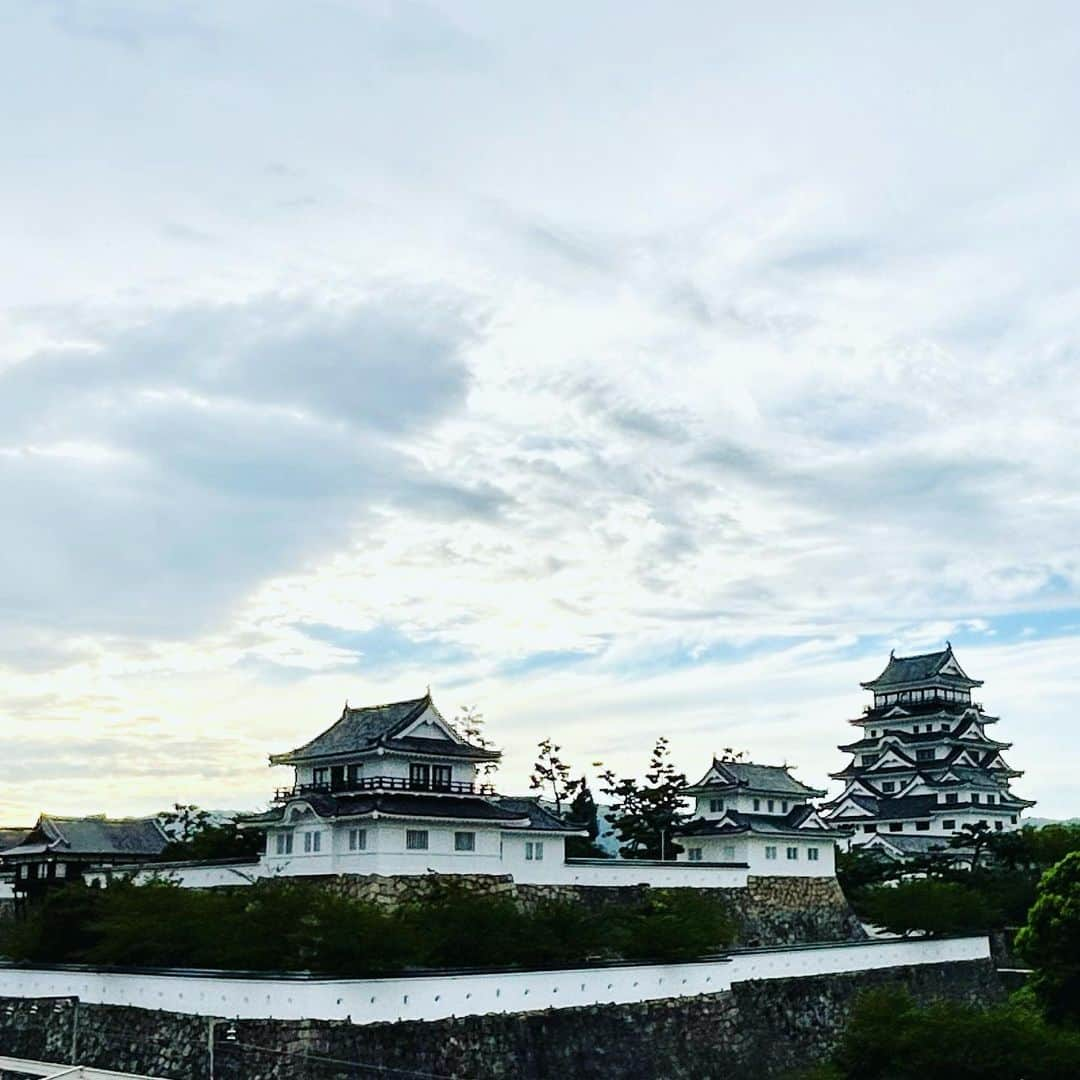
(923, 766)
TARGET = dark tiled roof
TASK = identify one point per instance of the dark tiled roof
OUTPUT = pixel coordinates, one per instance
(910, 845)
(745, 774)
(947, 710)
(908, 806)
(539, 816)
(94, 836)
(400, 805)
(377, 725)
(10, 837)
(904, 670)
(735, 823)
(438, 748)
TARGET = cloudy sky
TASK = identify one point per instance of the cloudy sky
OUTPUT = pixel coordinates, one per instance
(619, 369)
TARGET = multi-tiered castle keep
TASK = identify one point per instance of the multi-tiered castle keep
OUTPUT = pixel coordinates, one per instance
(924, 766)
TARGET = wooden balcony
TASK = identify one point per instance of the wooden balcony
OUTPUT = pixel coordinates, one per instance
(385, 783)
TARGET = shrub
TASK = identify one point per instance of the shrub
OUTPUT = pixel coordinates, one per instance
(675, 924)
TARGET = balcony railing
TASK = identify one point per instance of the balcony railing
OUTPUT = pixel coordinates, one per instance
(385, 783)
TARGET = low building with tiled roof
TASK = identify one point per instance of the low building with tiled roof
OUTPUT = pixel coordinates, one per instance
(924, 765)
(760, 815)
(58, 849)
(396, 789)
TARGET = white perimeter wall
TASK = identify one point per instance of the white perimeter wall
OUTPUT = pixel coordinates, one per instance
(433, 997)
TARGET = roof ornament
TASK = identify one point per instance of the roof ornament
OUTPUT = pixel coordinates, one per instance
(948, 644)
(892, 654)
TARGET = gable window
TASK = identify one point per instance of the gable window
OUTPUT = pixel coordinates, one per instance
(464, 841)
(440, 777)
(534, 850)
(770, 852)
(358, 839)
(692, 854)
(716, 805)
(283, 843)
(312, 842)
(812, 854)
(869, 759)
(896, 826)
(949, 824)
(792, 852)
(416, 839)
(419, 776)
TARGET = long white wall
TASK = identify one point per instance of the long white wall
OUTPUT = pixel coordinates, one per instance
(433, 997)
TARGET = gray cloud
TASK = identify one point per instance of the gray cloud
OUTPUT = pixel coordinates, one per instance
(225, 445)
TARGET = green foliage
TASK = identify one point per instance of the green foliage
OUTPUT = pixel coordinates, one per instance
(889, 1037)
(300, 926)
(643, 815)
(582, 812)
(551, 775)
(1051, 940)
(929, 906)
(674, 924)
(196, 836)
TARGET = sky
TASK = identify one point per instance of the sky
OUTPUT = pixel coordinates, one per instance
(619, 370)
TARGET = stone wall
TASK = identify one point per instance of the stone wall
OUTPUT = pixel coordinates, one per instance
(769, 911)
(755, 1031)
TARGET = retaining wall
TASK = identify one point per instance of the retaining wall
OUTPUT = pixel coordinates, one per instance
(753, 1030)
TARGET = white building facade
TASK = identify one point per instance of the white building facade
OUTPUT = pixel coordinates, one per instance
(395, 789)
(759, 815)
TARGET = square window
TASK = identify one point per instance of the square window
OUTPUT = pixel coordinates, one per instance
(922, 826)
(693, 854)
(812, 854)
(729, 852)
(716, 805)
(416, 839)
(358, 839)
(792, 852)
(888, 786)
(770, 852)
(61, 868)
(951, 798)
(974, 797)
(534, 850)
(999, 825)
(869, 828)
(464, 841)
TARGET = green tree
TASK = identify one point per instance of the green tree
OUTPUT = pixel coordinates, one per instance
(469, 724)
(973, 837)
(1051, 940)
(644, 815)
(195, 835)
(928, 906)
(583, 812)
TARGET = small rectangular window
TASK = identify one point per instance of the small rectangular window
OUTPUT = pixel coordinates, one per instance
(716, 805)
(974, 797)
(812, 854)
(464, 841)
(358, 839)
(888, 786)
(896, 826)
(922, 826)
(949, 824)
(1012, 819)
(783, 807)
(869, 828)
(770, 853)
(416, 839)
(997, 825)
(693, 854)
(792, 852)
(319, 777)
(772, 805)
(757, 805)
(951, 798)
(924, 755)
(307, 843)
(534, 850)
(729, 852)
(440, 777)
